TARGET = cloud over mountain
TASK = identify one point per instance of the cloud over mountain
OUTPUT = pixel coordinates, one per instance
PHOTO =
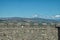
(57, 16)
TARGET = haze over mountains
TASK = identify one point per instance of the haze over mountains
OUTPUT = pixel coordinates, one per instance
(19, 19)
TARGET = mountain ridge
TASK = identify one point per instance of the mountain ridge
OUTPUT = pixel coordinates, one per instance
(20, 19)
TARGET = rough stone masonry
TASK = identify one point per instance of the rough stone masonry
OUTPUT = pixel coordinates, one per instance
(17, 31)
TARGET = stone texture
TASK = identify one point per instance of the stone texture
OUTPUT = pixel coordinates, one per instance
(31, 33)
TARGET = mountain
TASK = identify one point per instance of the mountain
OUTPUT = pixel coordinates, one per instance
(58, 19)
(19, 19)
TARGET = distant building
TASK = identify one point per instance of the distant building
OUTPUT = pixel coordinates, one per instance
(44, 24)
(36, 24)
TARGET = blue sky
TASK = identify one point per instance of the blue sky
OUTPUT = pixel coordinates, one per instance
(29, 8)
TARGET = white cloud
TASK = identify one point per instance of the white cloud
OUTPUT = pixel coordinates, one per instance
(57, 16)
(35, 15)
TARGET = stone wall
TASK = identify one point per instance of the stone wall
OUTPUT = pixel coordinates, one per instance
(21, 32)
